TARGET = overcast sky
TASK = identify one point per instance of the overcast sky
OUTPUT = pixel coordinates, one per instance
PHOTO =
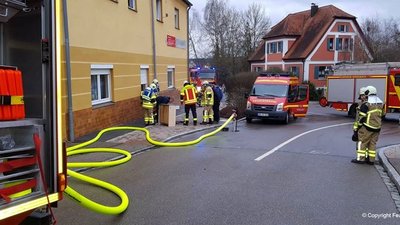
(278, 9)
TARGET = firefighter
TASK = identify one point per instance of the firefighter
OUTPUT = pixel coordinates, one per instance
(155, 81)
(356, 125)
(153, 87)
(207, 101)
(148, 98)
(189, 99)
(370, 116)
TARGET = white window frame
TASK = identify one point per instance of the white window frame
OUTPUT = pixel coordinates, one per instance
(176, 18)
(144, 80)
(132, 4)
(170, 76)
(98, 71)
(159, 10)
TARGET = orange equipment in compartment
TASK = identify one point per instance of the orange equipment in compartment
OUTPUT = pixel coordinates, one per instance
(11, 94)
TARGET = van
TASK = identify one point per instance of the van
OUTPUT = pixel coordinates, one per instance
(277, 96)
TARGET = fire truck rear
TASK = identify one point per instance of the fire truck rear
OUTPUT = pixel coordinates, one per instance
(32, 155)
(344, 84)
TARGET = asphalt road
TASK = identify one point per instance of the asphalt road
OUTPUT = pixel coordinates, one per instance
(304, 180)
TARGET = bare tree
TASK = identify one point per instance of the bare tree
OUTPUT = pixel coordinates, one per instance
(198, 43)
(230, 34)
(256, 25)
(383, 37)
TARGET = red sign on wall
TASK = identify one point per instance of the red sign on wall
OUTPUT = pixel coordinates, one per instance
(171, 41)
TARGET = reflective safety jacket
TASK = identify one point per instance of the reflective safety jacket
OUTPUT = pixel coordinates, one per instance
(357, 125)
(148, 98)
(188, 95)
(371, 115)
(207, 97)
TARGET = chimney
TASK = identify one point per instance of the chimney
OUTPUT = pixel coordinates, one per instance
(314, 9)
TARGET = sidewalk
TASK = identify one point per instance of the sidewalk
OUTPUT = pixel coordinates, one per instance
(135, 141)
(390, 160)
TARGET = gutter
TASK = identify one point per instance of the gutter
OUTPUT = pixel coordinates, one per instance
(153, 36)
(187, 40)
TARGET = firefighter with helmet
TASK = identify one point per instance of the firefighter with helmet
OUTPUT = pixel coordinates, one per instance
(189, 99)
(148, 97)
(207, 101)
(153, 87)
(370, 119)
(155, 81)
(356, 125)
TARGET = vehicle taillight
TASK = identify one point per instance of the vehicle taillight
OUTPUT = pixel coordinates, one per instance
(62, 182)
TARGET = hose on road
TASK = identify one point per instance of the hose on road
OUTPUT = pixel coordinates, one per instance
(80, 149)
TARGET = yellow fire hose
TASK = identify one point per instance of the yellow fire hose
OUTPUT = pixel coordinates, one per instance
(79, 149)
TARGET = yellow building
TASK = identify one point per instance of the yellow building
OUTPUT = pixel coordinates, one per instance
(116, 49)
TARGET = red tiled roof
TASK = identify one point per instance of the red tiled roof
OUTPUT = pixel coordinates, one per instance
(308, 30)
(259, 53)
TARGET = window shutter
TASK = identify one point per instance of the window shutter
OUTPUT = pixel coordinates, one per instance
(316, 72)
(328, 41)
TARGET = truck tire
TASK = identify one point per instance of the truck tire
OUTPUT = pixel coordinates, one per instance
(286, 120)
(248, 119)
(352, 111)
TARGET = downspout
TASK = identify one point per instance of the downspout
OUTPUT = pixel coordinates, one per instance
(187, 39)
(68, 70)
(153, 35)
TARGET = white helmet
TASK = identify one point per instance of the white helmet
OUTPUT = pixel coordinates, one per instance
(362, 90)
(185, 82)
(371, 90)
(205, 83)
(155, 81)
(153, 86)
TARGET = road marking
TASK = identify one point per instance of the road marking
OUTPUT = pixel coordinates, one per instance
(294, 138)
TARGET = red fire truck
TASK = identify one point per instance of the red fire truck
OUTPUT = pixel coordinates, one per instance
(32, 153)
(277, 96)
(344, 84)
(198, 75)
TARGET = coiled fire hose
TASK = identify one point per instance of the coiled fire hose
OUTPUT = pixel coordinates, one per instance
(79, 149)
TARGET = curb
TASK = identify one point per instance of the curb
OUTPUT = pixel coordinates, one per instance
(392, 172)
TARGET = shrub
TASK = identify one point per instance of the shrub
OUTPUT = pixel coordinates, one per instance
(236, 86)
(315, 93)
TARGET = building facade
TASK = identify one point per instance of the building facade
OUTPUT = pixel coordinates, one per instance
(116, 49)
(309, 43)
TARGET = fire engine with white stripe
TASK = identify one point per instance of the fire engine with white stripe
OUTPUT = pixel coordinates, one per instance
(344, 83)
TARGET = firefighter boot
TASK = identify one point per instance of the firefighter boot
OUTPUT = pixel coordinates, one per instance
(185, 123)
(195, 123)
(357, 161)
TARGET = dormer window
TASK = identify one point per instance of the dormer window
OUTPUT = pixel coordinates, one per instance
(343, 28)
(275, 47)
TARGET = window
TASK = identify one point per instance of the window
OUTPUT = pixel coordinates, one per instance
(295, 70)
(351, 45)
(132, 4)
(159, 10)
(275, 47)
(176, 17)
(343, 28)
(330, 44)
(101, 85)
(346, 44)
(280, 46)
(170, 77)
(397, 80)
(144, 74)
(258, 69)
(320, 72)
(339, 43)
